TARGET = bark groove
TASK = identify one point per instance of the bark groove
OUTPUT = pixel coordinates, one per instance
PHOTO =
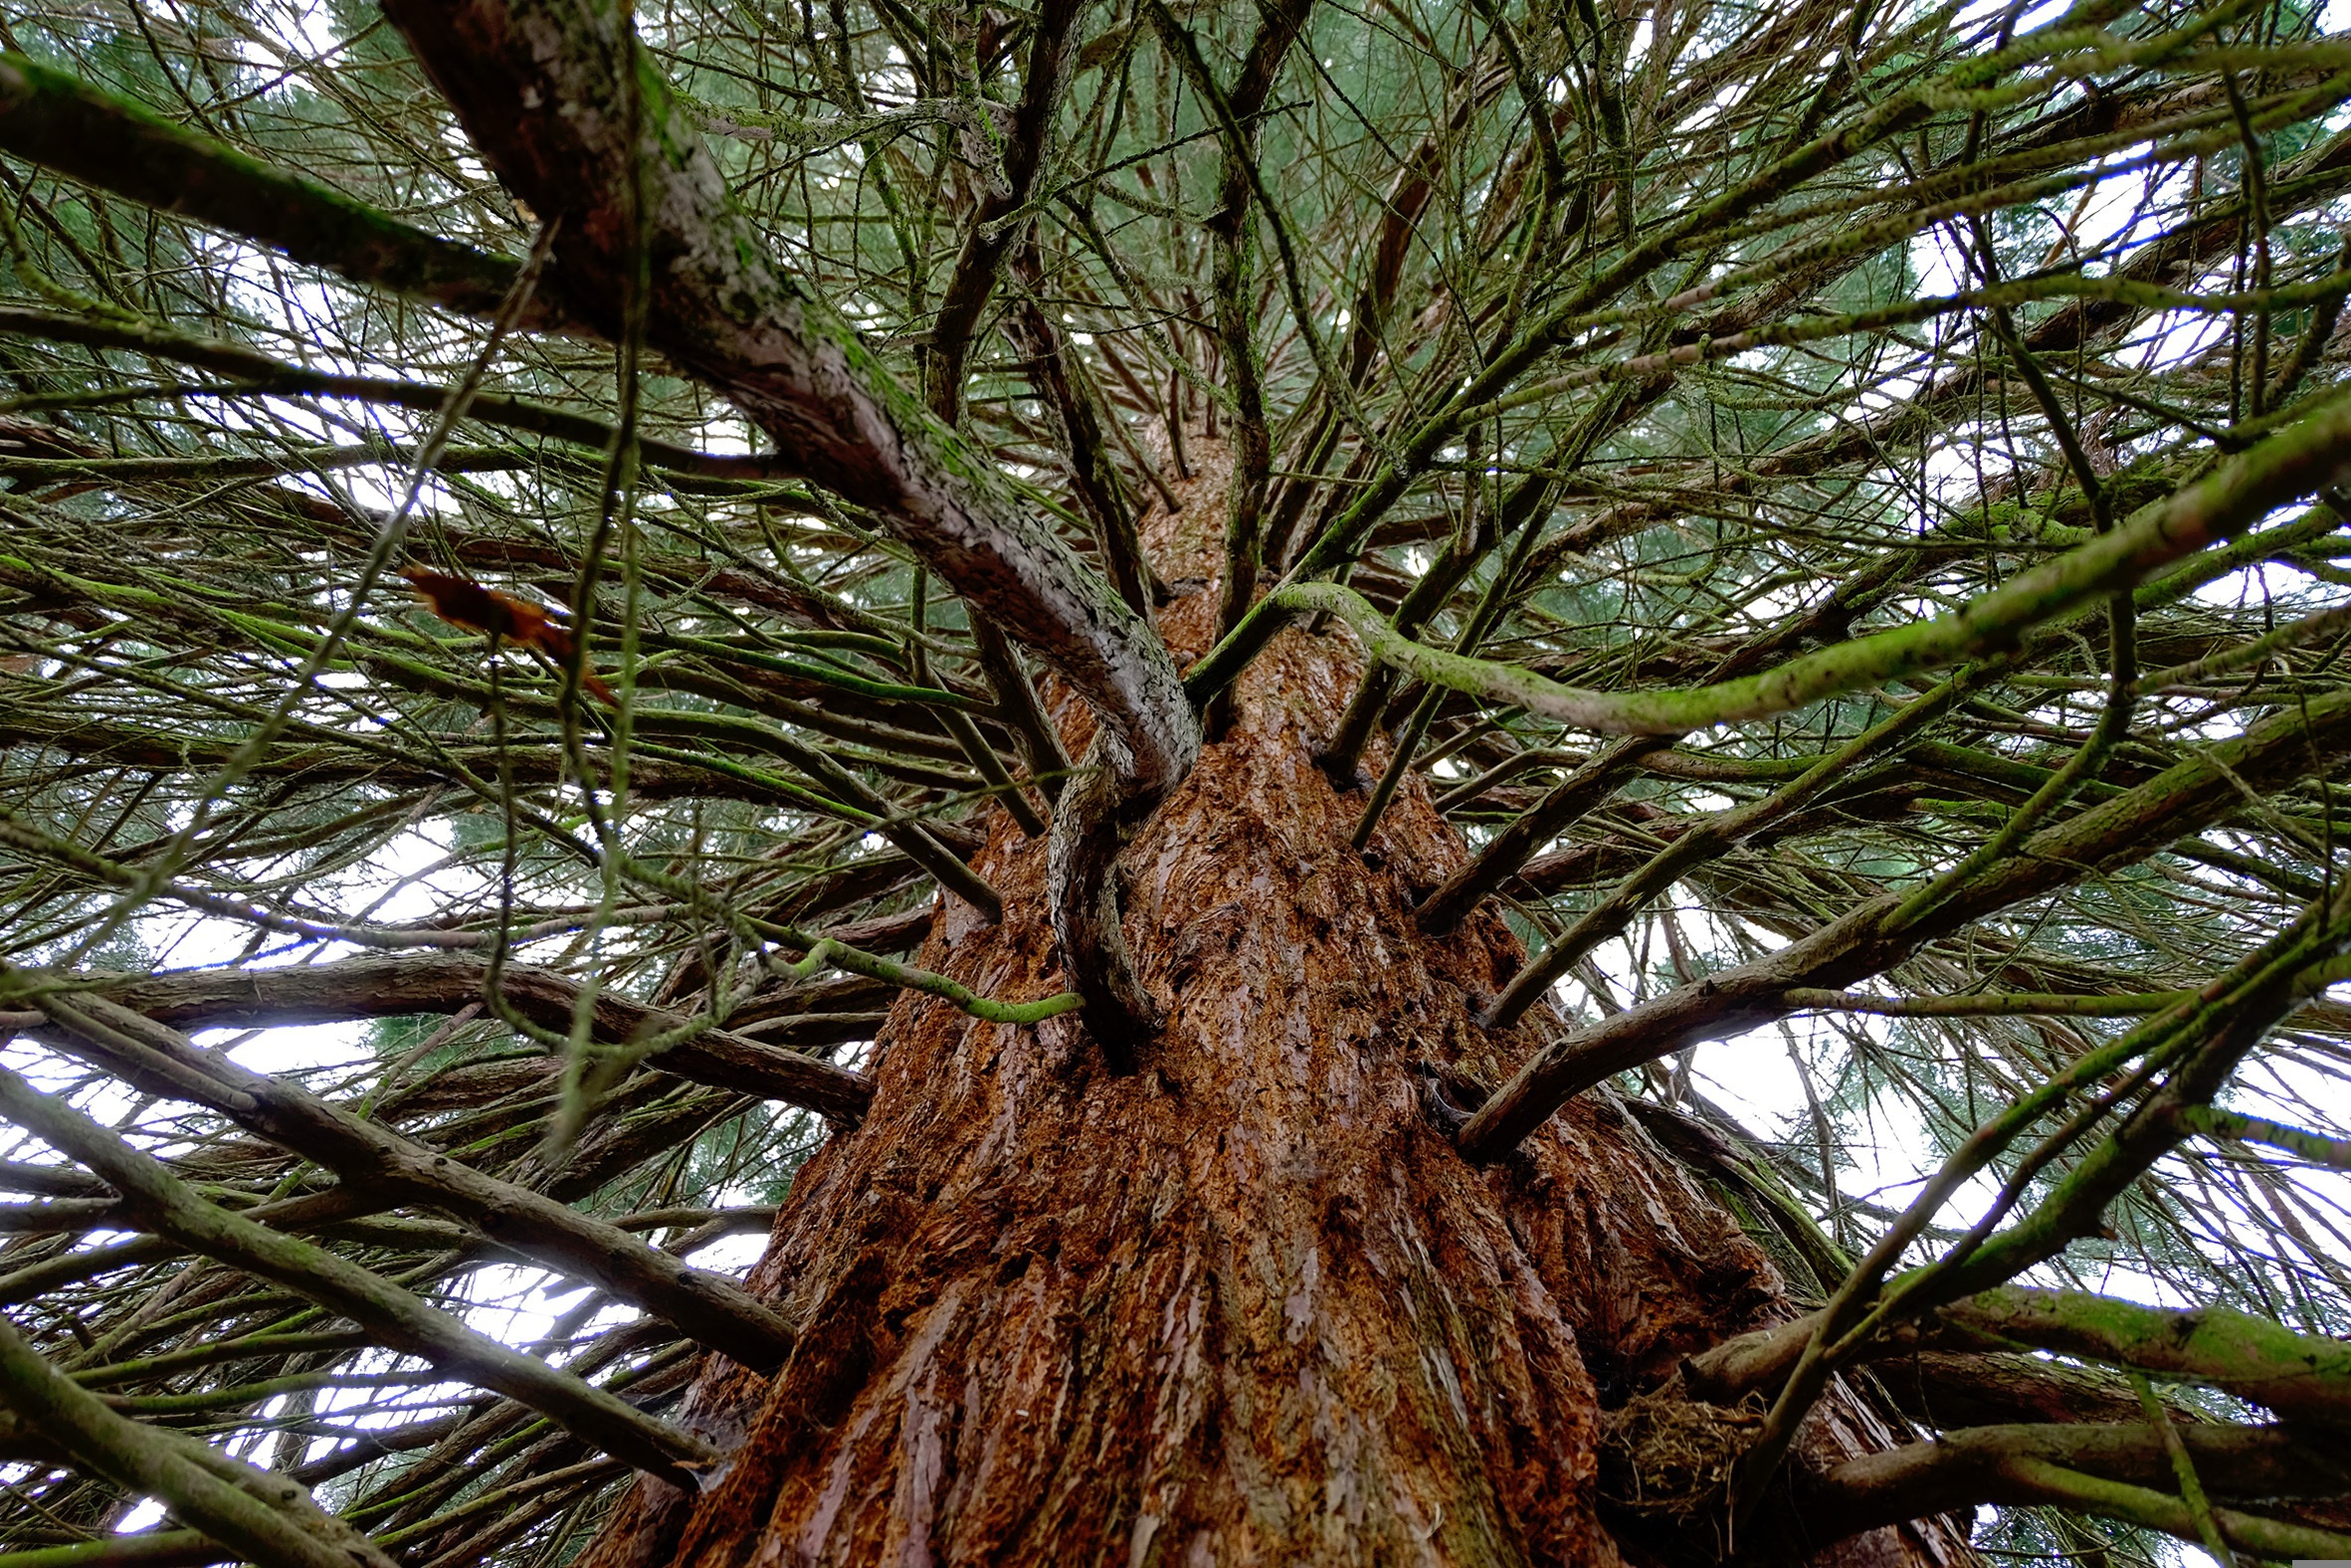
(1243, 1305)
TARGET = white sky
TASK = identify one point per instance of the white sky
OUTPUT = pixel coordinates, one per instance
(1752, 1075)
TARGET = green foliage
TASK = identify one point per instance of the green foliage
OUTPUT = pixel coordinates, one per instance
(1799, 454)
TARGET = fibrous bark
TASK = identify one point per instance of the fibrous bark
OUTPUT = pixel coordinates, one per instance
(1246, 1304)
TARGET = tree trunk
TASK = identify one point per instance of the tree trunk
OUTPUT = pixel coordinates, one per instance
(1244, 1305)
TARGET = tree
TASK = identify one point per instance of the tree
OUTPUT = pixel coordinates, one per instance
(1182, 690)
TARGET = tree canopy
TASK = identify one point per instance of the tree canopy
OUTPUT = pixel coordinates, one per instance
(546, 539)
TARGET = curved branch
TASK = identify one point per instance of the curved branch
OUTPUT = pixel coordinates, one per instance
(166, 1206)
(2125, 828)
(545, 89)
(2003, 1464)
(61, 123)
(574, 115)
(2311, 454)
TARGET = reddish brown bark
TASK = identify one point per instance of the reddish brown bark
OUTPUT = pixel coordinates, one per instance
(1243, 1305)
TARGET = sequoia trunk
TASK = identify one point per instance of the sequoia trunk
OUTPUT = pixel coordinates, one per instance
(1244, 1305)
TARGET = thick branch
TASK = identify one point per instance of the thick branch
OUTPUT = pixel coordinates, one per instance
(2301, 1377)
(605, 123)
(705, 1306)
(395, 1317)
(391, 987)
(720, 309)
(2129, 827)
(1960, 1469)
(1067, 396)
(53, 119)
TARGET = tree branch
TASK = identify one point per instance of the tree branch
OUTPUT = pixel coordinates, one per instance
(721, 311)
(1960, 1469)
(263, 1516)
(395, 1317)
(2127, 828)
(259, 373)
(1562, 806)
(392, 987)
(2311, 454)
(988, 238)
(705, 1306)
(2301, 1377)
(56, 120)
(790, 362)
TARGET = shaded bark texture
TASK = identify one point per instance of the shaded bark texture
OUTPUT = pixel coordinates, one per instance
(1244, 1305)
